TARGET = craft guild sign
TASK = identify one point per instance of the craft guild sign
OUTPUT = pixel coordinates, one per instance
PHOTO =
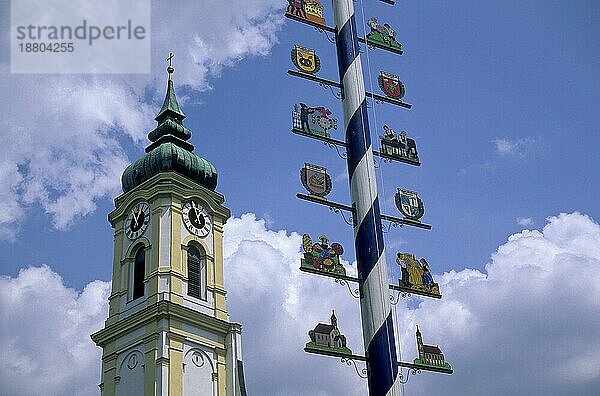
(391, 85)
(321, 256)
(397, 145)
(328, 337)
(409, 204)
(305, 59)
(430, 355)
(316, 180)
(382, 35)
(416, 274)
(312, 120)
(310, 10)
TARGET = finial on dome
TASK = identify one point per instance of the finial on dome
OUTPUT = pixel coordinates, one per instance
(170, 107)
(170, 68)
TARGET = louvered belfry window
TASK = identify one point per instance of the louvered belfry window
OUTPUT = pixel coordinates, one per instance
(139, 269)
(196, 273)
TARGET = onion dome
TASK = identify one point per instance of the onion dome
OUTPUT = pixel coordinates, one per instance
(169, 150)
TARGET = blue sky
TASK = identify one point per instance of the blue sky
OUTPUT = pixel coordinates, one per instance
(503, 94)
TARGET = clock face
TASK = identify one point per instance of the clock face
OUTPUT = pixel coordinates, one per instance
(137, 220)
(196, 219)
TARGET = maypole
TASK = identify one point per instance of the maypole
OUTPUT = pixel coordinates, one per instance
(376, 313)
(383, 370)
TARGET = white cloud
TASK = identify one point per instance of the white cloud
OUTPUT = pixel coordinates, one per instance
(277, 306)
(526, 325)
(525, 221)
(63, 135)
(515, 147)
(44, 334)
(505, 149)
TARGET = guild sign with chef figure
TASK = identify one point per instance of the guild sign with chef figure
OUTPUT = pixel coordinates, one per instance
(312, 120)
(409, 204)
(321, 256)
(310, 10)
(316, 180)
(382, 36)
(305, 59)
(397, 145)
(416, 274)
(391, 85)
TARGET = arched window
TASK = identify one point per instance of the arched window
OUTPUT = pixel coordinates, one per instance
(196, 266)
(139, 270)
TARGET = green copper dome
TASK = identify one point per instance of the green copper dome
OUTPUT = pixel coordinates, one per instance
(170, 150)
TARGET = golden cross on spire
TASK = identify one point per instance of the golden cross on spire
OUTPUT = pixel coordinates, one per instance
(170, 69)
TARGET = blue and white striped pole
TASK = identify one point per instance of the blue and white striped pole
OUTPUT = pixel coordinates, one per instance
(376, 314)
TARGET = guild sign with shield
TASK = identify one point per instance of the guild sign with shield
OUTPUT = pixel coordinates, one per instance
(316, 180)
(409, 204)
(312, 120)
(310, 10)
(322, 256)
(305, 59)
(391, 85)
(382, 35)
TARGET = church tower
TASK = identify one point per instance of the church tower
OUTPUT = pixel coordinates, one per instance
(420, 344)
(168, 331)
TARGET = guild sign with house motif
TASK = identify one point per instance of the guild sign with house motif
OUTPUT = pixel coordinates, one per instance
(327, 337)
(416, 274)
(312, 120)
(397, 145)
(391, 85)
(310, 10)
(305, 59)
(316, 180)
(382, 36)
(430, 355)
(409, 204)
(322, 256)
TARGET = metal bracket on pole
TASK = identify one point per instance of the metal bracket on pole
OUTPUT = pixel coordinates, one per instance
(331, 143)
(362, 373)
(340, 207)
(330, 83)
(403, 379)
(343, 282)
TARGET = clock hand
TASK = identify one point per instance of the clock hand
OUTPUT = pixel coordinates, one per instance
(196, 210)
(136, 216)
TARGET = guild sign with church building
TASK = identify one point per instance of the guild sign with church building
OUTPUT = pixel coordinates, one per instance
(168, 331)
